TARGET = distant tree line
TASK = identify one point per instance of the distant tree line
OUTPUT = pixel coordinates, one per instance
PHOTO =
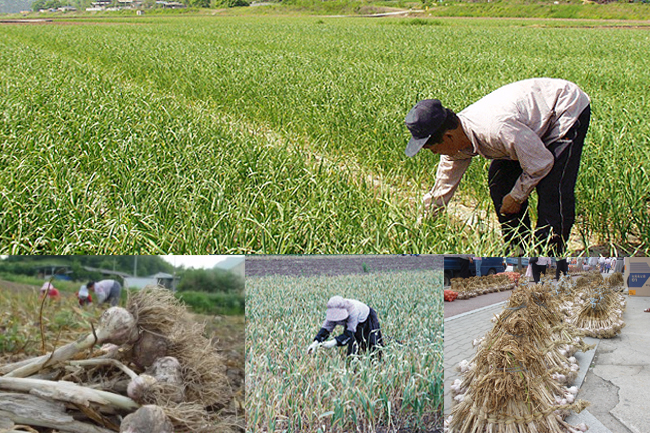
(83, 4)
(210, 281)
(212, 291)
(48, 4)
(26, 265)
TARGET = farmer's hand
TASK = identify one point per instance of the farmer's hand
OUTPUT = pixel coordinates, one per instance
(312, 347)
(329, 344)
(509, 206)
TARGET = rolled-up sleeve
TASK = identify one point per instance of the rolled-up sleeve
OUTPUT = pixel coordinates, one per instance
(450, 172)
(535, 159)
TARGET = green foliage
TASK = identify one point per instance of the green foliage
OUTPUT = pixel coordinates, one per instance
(26, 265)
(232, 3)
(61, 285)
(327, 391)
(210, 281)
(46, 4)
(81, 274)
(213, 303)
(421, 22)
(277, 135)
(541, 9)
(19, 268)
(199, 3)
(64, 319)
(12, 339)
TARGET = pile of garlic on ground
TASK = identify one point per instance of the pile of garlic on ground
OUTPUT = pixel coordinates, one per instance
(475, 286)
(146, 368)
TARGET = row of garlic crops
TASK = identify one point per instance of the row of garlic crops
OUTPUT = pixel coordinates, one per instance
(286, 135)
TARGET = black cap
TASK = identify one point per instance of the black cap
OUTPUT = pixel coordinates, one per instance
(423, 121)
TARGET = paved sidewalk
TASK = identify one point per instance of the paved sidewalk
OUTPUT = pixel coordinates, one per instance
(460, 331)
(617, 384)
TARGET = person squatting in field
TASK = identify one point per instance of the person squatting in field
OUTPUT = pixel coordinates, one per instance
(83, 296)
(360, 323)
(533, 131)
(106, 291)
(48, 289)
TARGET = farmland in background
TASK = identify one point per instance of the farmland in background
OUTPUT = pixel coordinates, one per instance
(285, 135)
(288, 390)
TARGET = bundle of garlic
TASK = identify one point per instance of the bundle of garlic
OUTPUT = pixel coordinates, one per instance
(156, 372)
(520, 374)
(512, 387)
(599, 305)
(601, 316)
(476, 286)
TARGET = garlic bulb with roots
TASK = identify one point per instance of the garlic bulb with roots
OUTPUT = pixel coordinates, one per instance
(140, 387)
(116, 326)
(464, 366)
(163, 382)
(148, 349)
(147, 419)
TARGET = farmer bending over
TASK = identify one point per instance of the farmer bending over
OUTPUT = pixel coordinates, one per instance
(360, 323)
(533, 130)
(106, 290)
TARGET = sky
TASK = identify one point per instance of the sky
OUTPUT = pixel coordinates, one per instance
(196, 262)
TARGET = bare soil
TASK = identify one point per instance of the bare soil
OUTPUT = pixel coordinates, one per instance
(330, 265)
(227, 336)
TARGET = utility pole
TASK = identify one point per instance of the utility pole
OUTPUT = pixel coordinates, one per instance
(135, 266)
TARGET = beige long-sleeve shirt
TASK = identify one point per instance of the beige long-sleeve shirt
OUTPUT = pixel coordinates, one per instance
(103, 289)
(516, 122)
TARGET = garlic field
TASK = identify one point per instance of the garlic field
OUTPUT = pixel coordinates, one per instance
(267, 134)
(288, 390)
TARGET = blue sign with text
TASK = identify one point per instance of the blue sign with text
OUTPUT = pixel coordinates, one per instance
(639, 274)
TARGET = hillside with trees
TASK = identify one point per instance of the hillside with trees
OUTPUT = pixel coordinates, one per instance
(28, 265)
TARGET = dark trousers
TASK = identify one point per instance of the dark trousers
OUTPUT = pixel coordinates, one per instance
(562, 267)
(555, 192)
(464, 268)
(114, 296)
(538, 270)
(367, 336)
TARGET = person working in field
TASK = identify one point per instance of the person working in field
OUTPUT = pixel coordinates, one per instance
(48, 289)
(83, 296)
(360, 323)
(106, 291)
(534, 131)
